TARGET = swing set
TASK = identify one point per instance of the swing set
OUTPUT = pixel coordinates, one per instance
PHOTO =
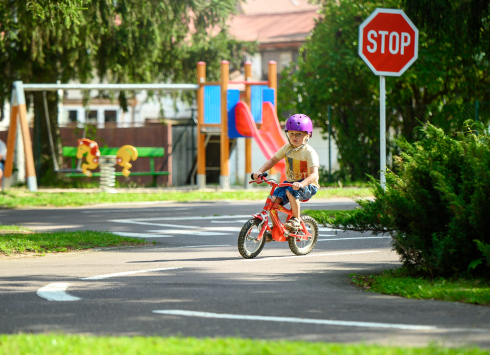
(18, 116)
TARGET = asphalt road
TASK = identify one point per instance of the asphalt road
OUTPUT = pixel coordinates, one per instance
(193, 282)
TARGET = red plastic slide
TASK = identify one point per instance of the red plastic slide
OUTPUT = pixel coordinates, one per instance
(270, 137)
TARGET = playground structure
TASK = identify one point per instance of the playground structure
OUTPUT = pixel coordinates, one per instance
(90, 150)
(220, 112)
(18, 115)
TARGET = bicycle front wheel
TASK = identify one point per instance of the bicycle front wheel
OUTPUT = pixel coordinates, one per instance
(301, 246)
(248, 245)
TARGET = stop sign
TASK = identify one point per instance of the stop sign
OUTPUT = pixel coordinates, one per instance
(388, 42)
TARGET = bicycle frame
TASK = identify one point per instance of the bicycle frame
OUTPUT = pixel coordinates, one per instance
(279, 233)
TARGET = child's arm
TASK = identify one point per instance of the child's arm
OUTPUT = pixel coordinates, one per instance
(312, 177)
(268, 164)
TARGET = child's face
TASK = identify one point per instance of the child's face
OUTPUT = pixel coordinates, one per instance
(297, 138)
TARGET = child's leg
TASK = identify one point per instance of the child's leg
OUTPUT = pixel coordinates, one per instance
(295, 205)
(276, 199)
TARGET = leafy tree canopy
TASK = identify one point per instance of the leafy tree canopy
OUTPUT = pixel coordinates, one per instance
(331, 73)
(465, 24)
(123, 41)
(65, 11)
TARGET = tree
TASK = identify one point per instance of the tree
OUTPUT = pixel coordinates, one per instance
(465, 23)
(436, 207)
(119, 41)
(330, 72)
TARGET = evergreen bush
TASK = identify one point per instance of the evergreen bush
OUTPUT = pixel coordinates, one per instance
(437, 207)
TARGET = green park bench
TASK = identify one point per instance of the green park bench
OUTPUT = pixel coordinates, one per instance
(143, 152)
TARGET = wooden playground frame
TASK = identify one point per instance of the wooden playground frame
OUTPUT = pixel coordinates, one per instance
(202, 127)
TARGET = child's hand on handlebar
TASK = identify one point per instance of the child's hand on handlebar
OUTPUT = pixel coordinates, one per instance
(256, 175)
(297, 185)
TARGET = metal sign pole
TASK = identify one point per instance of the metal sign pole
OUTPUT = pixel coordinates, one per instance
(382, 129)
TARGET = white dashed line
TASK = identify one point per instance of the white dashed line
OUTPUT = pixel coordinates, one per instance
(326, 229)
(56, 292)
(315, 321)
(238, 221)
(141, 235)
(177, 218)
(162, 209)
(187, 232)
(100, 277)
(198, 246)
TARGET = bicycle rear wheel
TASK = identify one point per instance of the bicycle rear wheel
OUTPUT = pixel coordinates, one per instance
(248, 245)
(301, 246)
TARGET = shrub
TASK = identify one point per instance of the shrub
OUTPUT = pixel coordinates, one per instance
(437, 208)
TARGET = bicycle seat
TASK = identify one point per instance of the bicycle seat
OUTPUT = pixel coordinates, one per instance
(305, 200)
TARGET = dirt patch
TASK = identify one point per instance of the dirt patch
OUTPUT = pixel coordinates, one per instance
(4, 232)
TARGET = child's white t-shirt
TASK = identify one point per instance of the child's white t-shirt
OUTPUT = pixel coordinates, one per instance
(298, 163)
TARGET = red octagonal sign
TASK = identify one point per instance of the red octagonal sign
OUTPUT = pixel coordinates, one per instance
(388, 42)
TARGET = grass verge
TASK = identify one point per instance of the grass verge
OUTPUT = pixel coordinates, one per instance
(54, 344)
(400, 282)
(60, 242)
(16, 198)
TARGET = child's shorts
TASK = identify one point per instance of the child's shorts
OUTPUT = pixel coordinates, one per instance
(309, 192)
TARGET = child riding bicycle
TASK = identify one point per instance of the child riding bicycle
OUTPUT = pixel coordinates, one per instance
(301, 168)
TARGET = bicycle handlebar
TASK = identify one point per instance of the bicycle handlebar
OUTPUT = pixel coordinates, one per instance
(262, 178)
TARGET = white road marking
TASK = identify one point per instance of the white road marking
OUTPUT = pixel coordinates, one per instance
(328, 239)
(225, 229)
(178, 218)
(326, 229)
(327, 235)
(341, 323)
(199, 246)
(141, 235)
(131, 221)
(132, 211)
(312, 255)
(56, 292)
(237, 221)
(100, 277)
(187, 232)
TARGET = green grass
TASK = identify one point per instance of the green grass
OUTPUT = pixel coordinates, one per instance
(53, 344)
(4, 229)
(402, 283)
(41, 243)
(16, 198)
(322, 216)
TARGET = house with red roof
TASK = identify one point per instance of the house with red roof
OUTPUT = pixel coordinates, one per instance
(279, 26)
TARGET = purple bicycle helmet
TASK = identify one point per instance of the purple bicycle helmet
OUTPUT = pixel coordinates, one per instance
(299, 122)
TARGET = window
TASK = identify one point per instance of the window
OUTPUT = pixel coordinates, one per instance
(92, 116)
(284, 59)
(72, 115)
(110, 116)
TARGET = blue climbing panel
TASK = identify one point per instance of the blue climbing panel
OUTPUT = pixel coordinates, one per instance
(233, 96)
(257, 100)
(268, 96)
(212, 104)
